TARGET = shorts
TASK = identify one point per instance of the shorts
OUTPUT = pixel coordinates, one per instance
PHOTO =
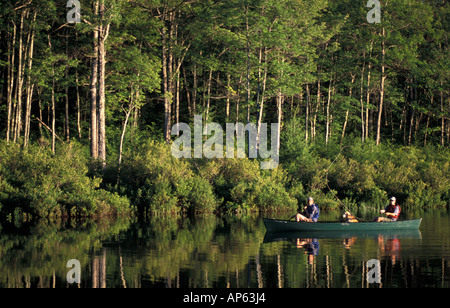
(386, 219)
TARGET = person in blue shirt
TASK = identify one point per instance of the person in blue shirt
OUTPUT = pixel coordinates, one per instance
(310, 214)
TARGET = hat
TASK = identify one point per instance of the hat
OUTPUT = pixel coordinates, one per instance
(393, 199)
(310, 198)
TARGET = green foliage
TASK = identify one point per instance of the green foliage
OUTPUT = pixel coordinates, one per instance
(35, 182)
(368, 175)
(158, 183)
(244, 187)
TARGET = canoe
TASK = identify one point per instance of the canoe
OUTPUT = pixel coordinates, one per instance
(275, 225)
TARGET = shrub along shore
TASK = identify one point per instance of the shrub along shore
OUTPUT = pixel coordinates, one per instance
(34, 183)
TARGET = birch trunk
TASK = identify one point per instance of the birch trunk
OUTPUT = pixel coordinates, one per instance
(262, 96)
(443, 119)
(368, 91)
(18, 109)
(67, 121)
(11, 56)
(167, 100)
(104, 32)
(94, 90)
(327, 131)
(30, 88)
(361, 100)
(383, 79)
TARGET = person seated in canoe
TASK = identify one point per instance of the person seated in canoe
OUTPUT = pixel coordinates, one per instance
(392, 212)
(310, 213)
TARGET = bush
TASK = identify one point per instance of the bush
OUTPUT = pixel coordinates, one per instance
(201, 198)
(367, 174)
(158, 183)
(244, 187)
(38, 183)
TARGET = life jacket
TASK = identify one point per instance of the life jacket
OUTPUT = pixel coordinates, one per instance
(391, 209)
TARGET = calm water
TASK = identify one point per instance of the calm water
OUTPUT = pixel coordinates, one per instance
(221, 252)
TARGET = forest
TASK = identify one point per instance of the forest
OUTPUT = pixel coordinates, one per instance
(90, 92)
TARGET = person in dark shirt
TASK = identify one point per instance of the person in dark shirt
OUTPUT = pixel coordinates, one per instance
(310, 214)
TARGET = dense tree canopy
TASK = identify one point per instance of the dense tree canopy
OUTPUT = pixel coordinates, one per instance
(161, 62)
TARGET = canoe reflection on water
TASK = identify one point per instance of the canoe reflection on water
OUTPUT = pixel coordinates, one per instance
(389, 242)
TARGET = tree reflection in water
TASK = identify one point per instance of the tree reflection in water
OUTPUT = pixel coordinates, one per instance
(212, 252)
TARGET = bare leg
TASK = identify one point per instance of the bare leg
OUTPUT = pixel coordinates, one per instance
(300, 217)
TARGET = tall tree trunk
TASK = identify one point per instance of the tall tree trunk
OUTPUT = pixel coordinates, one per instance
(94, 90)
(170, 77)
(67, 121)
(53, 103)
(361, 100)
(238, 99)
(280, 100)
(448, 131)
(53, 107)
(10, 86)
(443, 118)
(188, 94)
(53, 116)
(228, 96)
(383, 79)
(167, 98)
(104, 32)
(262, 94)
(18, 112)
(208, 99)
(327, 131)
(78, 106)
(40, 112)
(307, 113)
(194, 94)
(248, 63)
(78, 94)
(30, 87)
(177, 97)
(314, 120)
(368, 90)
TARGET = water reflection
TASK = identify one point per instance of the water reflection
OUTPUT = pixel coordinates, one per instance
(212, 252)
(311, 247)
(389, 243)
(341, 252)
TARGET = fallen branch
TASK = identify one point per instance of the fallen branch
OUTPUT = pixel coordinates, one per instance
(49, 129)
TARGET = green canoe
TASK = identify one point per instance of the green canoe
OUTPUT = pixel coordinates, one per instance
(274, 225)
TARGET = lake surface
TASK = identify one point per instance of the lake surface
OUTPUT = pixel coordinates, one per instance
(230, 252)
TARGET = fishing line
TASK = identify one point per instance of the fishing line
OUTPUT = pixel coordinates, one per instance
(326, 177)
(329, 188)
